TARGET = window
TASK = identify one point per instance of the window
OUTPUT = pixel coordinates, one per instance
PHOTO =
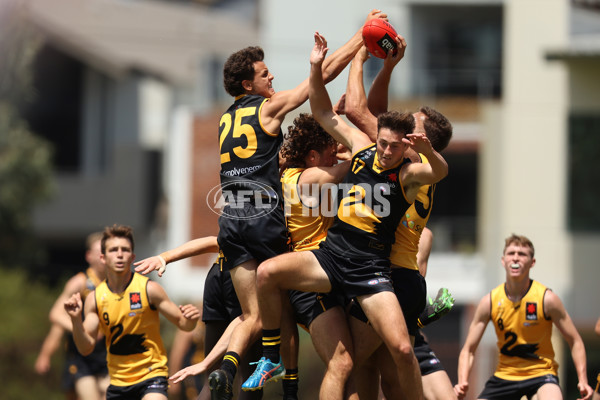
(584, 179)
(55, 112)
(456, 50)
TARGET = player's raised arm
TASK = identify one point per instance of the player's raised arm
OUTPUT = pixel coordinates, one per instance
(85, 331)
(192, 248)
(378, 94)
(356, 106)
(321, 106)
(282, 102)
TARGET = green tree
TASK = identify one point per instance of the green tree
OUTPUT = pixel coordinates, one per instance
(26, 176)
(24, 315)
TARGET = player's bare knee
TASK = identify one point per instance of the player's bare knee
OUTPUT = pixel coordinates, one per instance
(266, 274)
(405, 353)
(342, 363)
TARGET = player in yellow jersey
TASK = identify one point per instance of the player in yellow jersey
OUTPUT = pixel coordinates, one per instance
(522, 311)
(88, 374)
(221, 313)
(126, 307)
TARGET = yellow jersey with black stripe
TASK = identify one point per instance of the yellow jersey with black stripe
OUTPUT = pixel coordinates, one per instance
(135, 350)
(524, 334)
(372, 202)
(248, 151)
(405, 248)
(307, 226)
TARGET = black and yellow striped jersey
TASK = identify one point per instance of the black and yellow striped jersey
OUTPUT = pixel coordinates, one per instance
(248, 150)
(371, 204)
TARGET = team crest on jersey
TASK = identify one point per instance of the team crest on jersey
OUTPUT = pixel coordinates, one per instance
(531, 311)
(135, 301)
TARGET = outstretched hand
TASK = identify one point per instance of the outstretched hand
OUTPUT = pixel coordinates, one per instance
(362, 55)
(150, 264)
(374, 13)
(190, 312)
(192, 370)
(340, 107)
(419, 142)
(394, 56)
(319, 51)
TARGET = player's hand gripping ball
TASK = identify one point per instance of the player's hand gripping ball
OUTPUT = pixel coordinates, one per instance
(378, 35)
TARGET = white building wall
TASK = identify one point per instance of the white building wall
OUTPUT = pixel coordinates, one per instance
(523, 181)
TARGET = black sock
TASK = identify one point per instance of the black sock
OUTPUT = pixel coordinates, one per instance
(271, 341)
(230, 363)
(290, 384)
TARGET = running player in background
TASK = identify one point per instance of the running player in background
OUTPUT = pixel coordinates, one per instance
(87, 376)
(126, 307)
(522, 311)
(249, 137)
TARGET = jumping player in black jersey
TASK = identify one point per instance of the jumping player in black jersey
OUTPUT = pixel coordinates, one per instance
(354, 259)
(252, 229)
(407, 273)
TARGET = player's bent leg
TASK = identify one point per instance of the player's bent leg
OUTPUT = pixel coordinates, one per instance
(364, 381)
(290, 342)
(102, 383)
(389, 373)
(331, 337)
(290, 271)
(243, 278)
(245, 334)
(384, 314)
(549, 391)
(212, 333)
(300, 271)
(86, 388)
(437, 386)
(154, 396)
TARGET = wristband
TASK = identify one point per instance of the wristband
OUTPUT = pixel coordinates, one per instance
(163, 265)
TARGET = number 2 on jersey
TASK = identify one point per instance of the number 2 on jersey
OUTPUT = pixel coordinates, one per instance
(239, 130)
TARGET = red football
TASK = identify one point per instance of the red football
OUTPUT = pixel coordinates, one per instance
(378, 35)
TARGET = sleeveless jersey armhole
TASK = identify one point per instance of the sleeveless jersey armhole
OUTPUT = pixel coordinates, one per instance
(544, 305)
(260, 120)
